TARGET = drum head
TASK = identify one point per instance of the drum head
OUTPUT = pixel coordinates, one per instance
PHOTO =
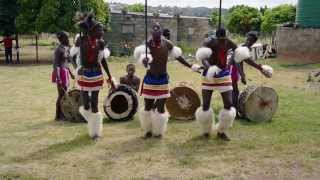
(261, 104)
(121, 104)
(70, 104)
(183, 103)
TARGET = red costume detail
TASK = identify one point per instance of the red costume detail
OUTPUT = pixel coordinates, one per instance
(222, 57)
(92, 43)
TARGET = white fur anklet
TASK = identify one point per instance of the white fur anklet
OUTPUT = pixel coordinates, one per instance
(159, 123)
(226, 118)
(145, 120)
(205, 120)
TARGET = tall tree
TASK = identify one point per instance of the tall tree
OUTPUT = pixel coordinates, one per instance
(278, 15)
(243, 19)
(8, 13)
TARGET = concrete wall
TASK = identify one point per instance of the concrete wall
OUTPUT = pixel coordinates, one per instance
(298, 45)
(186, 29)
(192, 30)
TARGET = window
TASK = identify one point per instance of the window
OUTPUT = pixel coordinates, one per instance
(128, 28)
(190, 31)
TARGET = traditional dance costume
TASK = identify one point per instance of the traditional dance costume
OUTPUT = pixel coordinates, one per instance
(60, 73)
(215, 78)
(155, 87)
(64, 75)
(220, 81)
(90, 78)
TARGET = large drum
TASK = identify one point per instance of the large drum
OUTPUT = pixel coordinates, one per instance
(70, 104)
(183, 102)
(258, 103)
(121, 104)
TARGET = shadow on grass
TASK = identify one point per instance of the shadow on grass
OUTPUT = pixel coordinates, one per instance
(136, 145)
(55, 149)
(247, 122)
(110, 121)
(187, 153)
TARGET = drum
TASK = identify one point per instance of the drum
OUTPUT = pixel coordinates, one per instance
(183, 102)
(258, 103)
(121, 104)
(70, 104)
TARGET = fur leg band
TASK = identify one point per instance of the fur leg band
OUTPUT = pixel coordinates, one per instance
(159, 123)
(226, 118)
(205, 120)
(145, 120)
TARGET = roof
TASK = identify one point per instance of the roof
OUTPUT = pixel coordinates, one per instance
(160, 15)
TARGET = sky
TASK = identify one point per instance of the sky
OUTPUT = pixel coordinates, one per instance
(209, 3)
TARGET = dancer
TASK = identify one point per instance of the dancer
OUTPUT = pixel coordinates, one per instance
(155, 87)
(243, 54)
(61, 72)
(90, 48)
(216, 76)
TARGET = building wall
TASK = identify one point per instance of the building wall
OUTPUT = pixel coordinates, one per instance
(187, 29)
(193, 30)
(299, 45)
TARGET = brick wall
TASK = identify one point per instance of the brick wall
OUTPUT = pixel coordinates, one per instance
(299, 45)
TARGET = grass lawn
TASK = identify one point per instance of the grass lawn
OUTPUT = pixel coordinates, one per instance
(33, 146)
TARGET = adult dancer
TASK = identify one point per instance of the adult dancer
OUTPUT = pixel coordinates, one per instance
(90, 48)
(216, 76)
(242, 54)
(155, 87)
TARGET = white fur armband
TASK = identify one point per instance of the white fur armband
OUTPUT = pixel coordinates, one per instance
(139, 50)
(212, 71)
(203, 53)
(241, 53)
(176, 52)
(195, 67)
(104, 54)
(267, 69)
(74, 51)
(144, 56)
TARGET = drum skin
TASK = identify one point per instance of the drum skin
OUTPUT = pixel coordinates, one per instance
(121, 104)
(70, 104)
(258, 104)
(183, 103)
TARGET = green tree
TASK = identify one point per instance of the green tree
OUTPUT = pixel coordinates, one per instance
(56, 15)
(214, 19)
(243, 19)
(136, 7)
(278, 15)
(8, 13)
(26, 20)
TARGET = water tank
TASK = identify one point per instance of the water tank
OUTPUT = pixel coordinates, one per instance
(308, 13)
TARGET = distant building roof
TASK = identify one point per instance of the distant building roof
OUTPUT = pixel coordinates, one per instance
(160, 15)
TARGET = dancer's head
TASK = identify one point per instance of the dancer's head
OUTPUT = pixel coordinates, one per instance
(90, 26)
(166, 33)
(63, 38)
(252, 38)
(156, 31)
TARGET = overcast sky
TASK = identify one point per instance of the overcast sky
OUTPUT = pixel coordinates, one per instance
(209, 3)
